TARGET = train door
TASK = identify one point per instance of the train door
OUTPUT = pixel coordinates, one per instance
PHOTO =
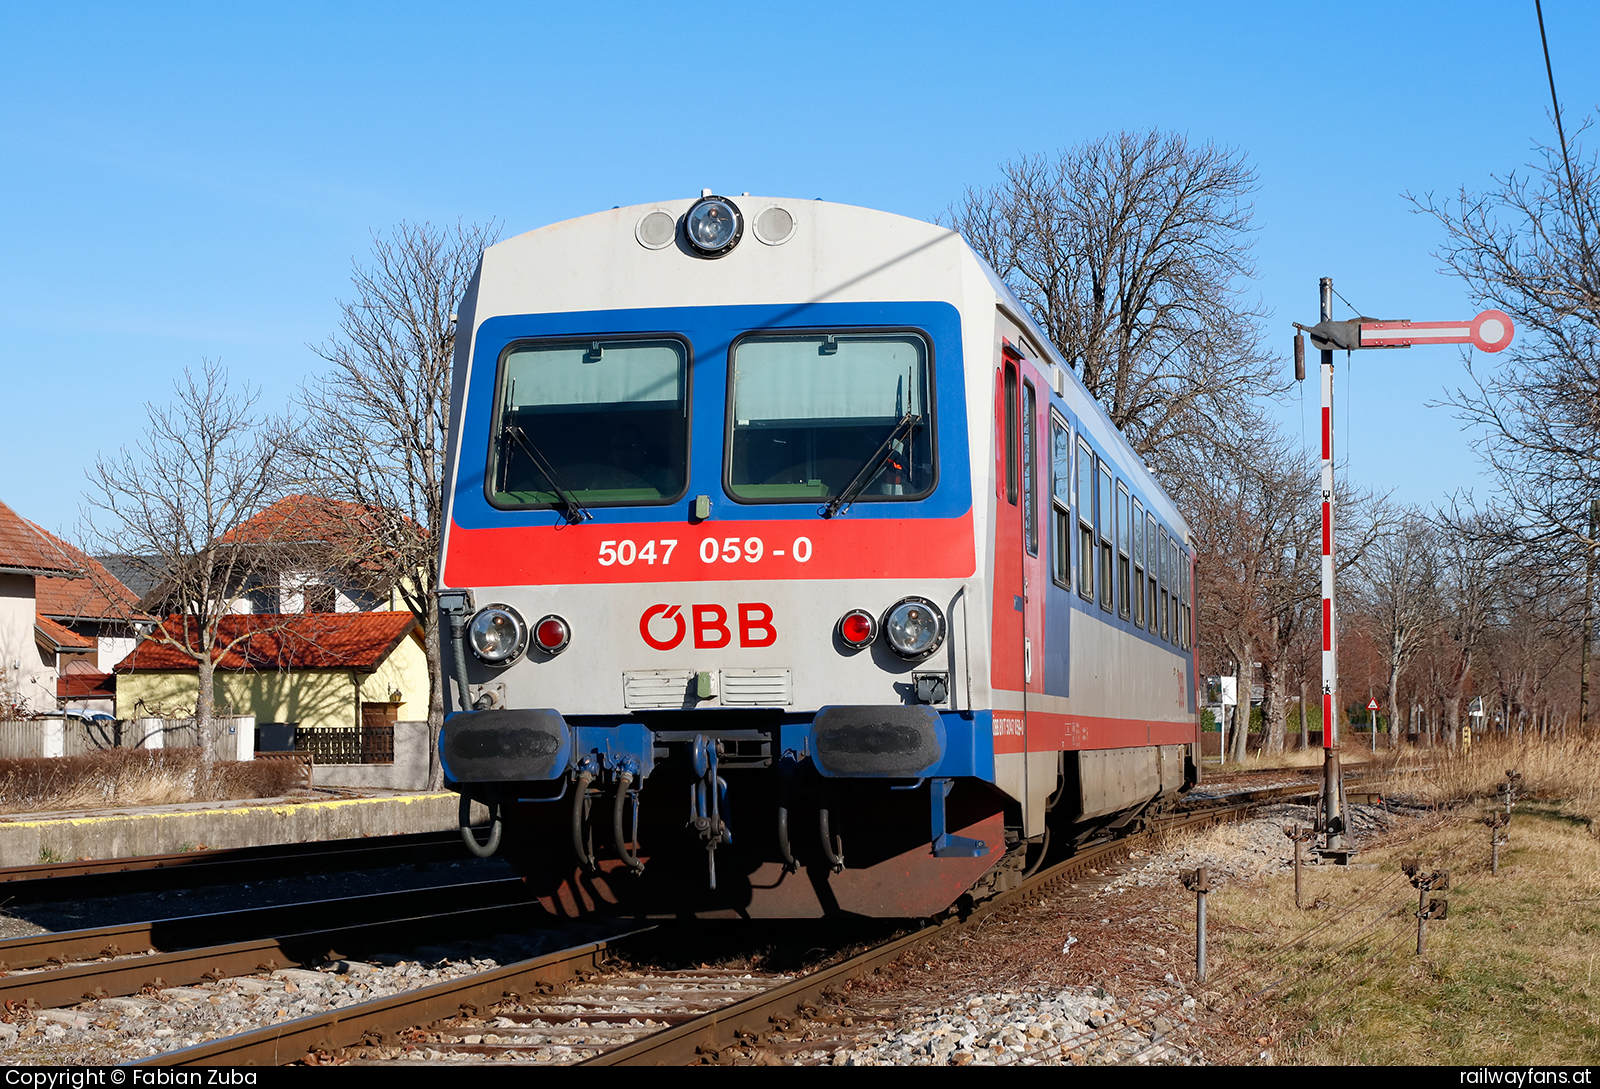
(1018, 633)
(1040, 765)
(1008, 668)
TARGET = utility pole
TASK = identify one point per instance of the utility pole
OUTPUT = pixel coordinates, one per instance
(1588, 622)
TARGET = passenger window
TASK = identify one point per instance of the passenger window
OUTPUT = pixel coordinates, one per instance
(1166, 586)
(1173, 570)
(1085, 520)
(1152, 565)
(809, 413)
(1185, 609)
(1138, 563)
(1060, 503)
(603, 421)
(1030, 507)
(1011, 434)
(1105, 513)
(1124, 554)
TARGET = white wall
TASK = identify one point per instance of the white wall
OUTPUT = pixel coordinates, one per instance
(24, 669)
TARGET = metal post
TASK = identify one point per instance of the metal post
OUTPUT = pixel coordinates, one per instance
(1372, 726)
(1333, 817)
(1299, 836)
(1496, 822)
(1196, 880)
(1426, 909)
(1422, 916)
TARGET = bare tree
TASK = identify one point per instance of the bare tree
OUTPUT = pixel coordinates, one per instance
(1529, 246)
(1133, 252)
(372, 430)
(1401, 600)
(1255, 513)
(165, 508)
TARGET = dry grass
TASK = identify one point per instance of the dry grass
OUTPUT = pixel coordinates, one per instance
(137, 777)
(1508, 979)
(1567, 771)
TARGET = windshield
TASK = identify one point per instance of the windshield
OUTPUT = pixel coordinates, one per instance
(609, 419)
(809, 412)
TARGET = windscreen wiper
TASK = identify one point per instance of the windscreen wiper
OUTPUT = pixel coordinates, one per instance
(841, 502)
(574, 511)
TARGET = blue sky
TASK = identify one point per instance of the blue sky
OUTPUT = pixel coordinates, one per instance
(183, 182)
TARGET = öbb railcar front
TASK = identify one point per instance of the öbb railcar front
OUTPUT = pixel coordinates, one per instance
(788, 572)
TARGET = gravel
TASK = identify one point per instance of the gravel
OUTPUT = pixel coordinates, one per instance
(1071, 1027)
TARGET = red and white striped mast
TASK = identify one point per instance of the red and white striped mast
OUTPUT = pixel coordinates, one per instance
(1332, 808)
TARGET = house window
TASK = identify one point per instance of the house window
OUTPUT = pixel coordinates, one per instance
(321, 599)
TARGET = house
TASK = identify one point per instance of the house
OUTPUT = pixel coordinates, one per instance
(97, 608)
(316, 555)
(319, 670)
(30, 652)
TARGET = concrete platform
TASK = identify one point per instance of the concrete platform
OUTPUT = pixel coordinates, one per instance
(124, 832)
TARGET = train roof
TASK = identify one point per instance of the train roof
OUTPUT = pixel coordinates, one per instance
(845, 253)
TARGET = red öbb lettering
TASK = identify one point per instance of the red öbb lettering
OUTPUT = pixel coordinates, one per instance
(665, 612)
(711, 629)
(756, 617)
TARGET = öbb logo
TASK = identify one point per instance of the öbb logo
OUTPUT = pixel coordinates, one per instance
(711, 629)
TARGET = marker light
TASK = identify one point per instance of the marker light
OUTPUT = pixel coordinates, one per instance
(552, 634)
(497, 635)
(713, 226)
(914, 627)
(857, 628)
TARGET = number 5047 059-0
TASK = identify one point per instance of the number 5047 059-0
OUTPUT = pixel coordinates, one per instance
(712, 550)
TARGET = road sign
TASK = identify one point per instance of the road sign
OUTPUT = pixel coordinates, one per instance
(1490, 331)
(1372, 704)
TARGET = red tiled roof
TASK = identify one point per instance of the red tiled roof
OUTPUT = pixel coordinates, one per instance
(86, 686)
(306, 519)
(22, 548)
(98, 597)
(275, 641)
(63, 638)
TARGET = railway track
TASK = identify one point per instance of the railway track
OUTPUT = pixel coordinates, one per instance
(576, 1006)
(95, 878)
(572, 1005)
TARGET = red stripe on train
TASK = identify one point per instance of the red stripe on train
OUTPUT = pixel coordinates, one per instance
(1051, 732)
(714, 551)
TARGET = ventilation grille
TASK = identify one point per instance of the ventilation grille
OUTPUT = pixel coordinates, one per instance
(757, 687)
(658, 688)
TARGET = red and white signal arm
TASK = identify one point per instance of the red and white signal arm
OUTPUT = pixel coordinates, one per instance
(1490, 331)
(1372, 704)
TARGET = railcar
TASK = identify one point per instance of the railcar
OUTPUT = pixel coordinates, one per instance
(789, 571)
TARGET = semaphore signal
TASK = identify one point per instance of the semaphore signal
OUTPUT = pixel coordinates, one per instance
(1490, 331)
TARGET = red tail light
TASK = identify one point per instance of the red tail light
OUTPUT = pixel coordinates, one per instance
(552, 635)
(858, 628)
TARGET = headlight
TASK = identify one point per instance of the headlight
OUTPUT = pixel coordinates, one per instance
(713, 226)
(914, 627)
(497, 635)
